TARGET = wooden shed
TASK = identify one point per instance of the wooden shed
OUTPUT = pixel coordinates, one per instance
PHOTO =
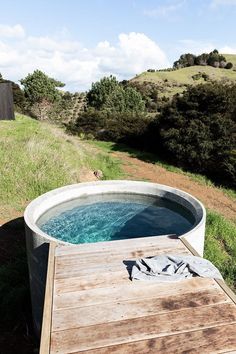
(6, 101)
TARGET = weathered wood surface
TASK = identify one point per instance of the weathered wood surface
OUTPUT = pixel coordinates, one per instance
(6, 102)
(212, 340)
(97, 309)
(48, 300)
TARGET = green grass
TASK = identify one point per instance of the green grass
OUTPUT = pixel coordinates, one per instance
(36, 157)
(183, 77)
(220, 246)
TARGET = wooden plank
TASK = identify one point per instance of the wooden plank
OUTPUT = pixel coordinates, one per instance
(47, 310)
(220, 339)
(71, 267)
(90, 281)
(189, 247)
(114, 255)
(221, 283)
(132, 290)
(226, 289)
(77, 271)
(143, 328)
(139, 243)
(118, 311)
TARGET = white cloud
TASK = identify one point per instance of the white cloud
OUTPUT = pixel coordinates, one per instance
(165, 10)
(7, 31)
(76, 65)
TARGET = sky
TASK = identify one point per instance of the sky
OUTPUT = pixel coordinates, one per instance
(81, 41)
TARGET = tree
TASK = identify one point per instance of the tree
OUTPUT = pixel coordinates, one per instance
(185, 60)
(202, 59)
(97, 96)
(39, 87)
(108, 95)
(133, 100)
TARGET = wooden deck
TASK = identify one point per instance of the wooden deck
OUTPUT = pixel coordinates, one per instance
(91, 305)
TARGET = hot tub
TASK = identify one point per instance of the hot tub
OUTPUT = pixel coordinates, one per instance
(134, 206)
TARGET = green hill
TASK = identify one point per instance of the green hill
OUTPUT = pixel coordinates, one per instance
(42, 157)
(231, 58)
(175, 81)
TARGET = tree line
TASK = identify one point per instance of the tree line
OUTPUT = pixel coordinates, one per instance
(213, 58)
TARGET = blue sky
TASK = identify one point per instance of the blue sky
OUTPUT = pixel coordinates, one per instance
(79, 41)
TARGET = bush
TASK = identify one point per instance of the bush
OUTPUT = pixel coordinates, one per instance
(197, 130)
(228, 65)
(197, 76)
(118, 127)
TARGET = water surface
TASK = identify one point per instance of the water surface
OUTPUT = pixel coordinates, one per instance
(113, 217)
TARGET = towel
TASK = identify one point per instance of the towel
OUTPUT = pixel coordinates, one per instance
(173, 268)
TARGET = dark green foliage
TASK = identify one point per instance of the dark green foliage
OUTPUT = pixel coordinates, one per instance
(198, 130)
(89, 122)
(116, 126)
(100, 91)
(38, 87)
(200, 75)
(213, 59)
(184, 61)
(44, 100)
(197, 76)
(149, 92)
(205, 76)
(110, 96)
(228, 65)
(19, 98)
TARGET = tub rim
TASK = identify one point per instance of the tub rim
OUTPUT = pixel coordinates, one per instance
(30, 218)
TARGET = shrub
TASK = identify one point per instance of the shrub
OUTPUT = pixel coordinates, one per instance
(197, 130)
(118, 127)
(197, 76)
(228, 65)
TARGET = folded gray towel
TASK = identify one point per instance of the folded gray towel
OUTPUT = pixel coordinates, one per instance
(173, 268)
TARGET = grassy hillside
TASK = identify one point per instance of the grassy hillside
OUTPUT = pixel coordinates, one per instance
(36, 157)
(172, 82)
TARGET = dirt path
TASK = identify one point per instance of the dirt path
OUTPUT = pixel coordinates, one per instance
(211, 197)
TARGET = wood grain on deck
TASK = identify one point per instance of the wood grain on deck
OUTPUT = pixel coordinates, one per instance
(97, 309)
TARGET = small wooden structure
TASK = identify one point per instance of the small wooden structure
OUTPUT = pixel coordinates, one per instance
(91, 305)
(6, 101)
